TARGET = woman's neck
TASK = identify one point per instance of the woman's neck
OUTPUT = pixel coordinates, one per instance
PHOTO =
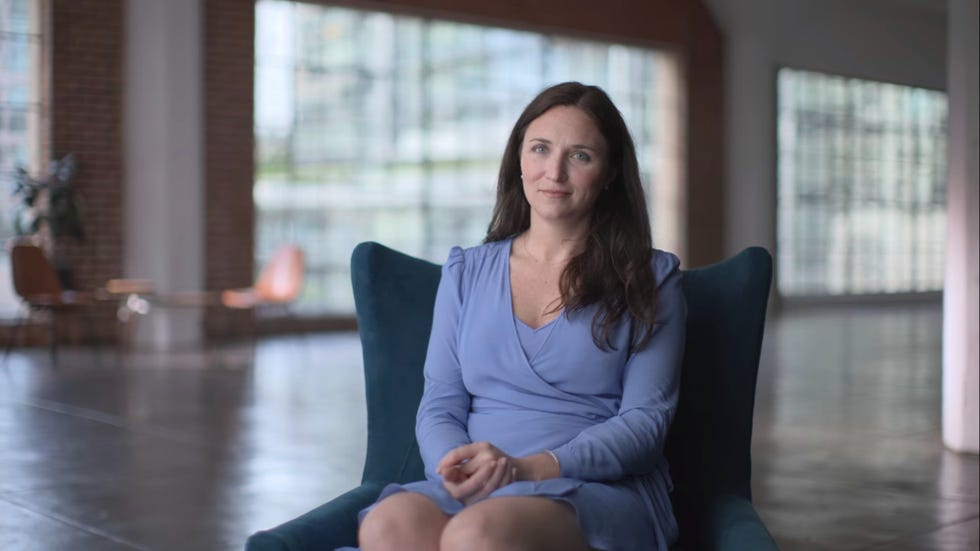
(546, 245)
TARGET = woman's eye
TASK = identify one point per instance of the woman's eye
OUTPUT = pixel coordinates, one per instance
(581, 156)
(538, 148)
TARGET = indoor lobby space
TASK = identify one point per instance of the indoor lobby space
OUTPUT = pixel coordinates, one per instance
(183, 184)
(197, 450)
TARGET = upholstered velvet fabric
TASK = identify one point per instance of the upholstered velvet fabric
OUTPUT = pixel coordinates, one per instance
(708, 445)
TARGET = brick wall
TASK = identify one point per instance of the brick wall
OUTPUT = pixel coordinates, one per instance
(86, 112)
(705, 138)
(229, 164)
(86, 119)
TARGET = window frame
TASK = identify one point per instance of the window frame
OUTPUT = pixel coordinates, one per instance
(850, 297)
(670, 231)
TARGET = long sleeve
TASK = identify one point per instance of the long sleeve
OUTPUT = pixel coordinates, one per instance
(630, 442)
(442, 416)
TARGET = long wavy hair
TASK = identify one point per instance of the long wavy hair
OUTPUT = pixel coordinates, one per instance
(613, 270)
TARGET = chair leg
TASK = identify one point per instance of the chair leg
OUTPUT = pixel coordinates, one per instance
(89, 333)
(53, 339)
(12, 338)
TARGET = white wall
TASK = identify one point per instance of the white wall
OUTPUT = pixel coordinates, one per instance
(888, 40)
(899, 41)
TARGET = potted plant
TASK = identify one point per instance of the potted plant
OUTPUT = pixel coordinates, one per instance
(50, 210)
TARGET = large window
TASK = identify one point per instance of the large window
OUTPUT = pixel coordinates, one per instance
(374, 126)
(862, 186)
(22, 113)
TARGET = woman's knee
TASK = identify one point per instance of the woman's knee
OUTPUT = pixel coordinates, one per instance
(403, 521)
(478, 529)
(515, 524)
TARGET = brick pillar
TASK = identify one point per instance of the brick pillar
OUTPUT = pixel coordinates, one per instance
(86, 118)
(229, 61)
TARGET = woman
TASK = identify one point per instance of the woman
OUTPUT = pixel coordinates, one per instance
(552, 370)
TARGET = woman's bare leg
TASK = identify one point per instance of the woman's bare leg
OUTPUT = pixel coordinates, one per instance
(514, 523)
(405, 521)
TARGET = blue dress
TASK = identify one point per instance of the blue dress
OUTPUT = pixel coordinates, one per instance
(604, 414)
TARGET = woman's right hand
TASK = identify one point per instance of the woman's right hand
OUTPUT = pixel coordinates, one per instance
(474, 471)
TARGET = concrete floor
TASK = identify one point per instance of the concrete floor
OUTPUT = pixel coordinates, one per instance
(197, 450)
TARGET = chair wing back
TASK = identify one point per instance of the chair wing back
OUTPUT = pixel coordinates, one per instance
(281, 280)
(394, 295)
(32, 272)
(709, 441)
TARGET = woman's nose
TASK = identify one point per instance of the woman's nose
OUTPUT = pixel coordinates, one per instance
(556, 168)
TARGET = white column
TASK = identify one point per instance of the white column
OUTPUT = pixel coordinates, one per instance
(750, 198)
(164, 171)
(750, 27)
(961, 300)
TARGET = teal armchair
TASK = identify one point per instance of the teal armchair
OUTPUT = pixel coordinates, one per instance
(709, 441)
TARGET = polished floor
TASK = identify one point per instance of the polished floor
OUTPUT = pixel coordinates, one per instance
(197, 450)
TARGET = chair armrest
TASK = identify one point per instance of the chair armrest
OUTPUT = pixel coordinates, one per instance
(731, 523)
(331, 525)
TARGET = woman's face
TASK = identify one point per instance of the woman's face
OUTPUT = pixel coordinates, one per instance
(563, 165)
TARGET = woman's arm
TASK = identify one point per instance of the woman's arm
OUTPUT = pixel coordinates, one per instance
(630, 442)
(442, 416)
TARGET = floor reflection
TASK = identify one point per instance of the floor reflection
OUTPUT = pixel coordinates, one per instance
(196, 450)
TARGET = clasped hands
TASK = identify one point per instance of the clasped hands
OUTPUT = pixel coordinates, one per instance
(472, 472)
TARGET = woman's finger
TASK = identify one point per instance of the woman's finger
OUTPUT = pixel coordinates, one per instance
(454, 483)
(471, 485)
(495, 481)
(456, 456)
(454, 474)
(474, 463)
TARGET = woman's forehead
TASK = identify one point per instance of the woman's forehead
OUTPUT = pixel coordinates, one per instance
(565, 123)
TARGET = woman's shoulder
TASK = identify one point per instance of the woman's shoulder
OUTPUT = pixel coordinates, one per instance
(664, 264)
(478, 255)
(467, 263)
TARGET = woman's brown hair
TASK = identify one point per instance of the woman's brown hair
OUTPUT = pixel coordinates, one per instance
(613, 270)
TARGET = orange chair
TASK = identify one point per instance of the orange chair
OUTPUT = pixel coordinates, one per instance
(37, 284)
(279, 282)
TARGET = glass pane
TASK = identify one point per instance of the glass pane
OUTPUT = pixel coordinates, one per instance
(861, 186)
(374, 126)
(20, 113)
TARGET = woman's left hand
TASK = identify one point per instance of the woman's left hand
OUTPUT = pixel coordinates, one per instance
(473, 471)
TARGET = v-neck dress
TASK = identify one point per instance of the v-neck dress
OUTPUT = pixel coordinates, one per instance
(603, 413)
